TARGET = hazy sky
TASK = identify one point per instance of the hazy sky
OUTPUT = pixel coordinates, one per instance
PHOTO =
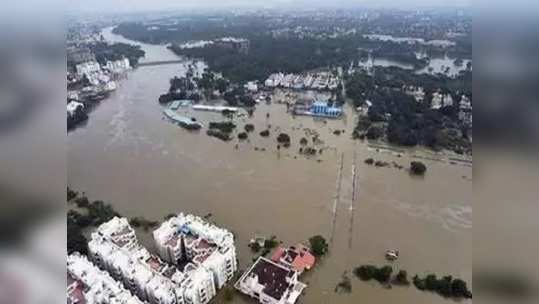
(141, 5)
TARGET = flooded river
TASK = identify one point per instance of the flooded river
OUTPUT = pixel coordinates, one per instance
(129, 155)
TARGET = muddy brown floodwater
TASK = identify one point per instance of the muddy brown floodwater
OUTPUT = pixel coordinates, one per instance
(130, 156)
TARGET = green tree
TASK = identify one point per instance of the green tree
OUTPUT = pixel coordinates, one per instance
(319, 246)
(402, 277)
(243, 136)
(459, 288)
(383, 274)
(417, 168)
(76, 242)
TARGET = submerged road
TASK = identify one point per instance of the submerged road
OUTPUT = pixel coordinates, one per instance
(336, 199)
(354, 184)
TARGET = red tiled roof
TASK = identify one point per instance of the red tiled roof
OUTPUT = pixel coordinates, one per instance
(299, 257)
(276, 256)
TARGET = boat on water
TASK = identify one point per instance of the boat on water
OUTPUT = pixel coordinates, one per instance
(392, 254)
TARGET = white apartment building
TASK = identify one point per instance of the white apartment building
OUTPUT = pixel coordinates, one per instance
(88, 68)
(465, 103)
(114, 247)
(118, 66)
(274, 80)
(251, 86)
(88, 284)
(440, 100)
(190, 238)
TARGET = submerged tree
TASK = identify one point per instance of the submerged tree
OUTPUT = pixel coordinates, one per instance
(319, 246)
(417, 168)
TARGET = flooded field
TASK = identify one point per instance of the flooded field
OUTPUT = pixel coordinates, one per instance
(129, 155)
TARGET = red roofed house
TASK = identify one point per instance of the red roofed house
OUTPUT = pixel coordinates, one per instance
(296, 257)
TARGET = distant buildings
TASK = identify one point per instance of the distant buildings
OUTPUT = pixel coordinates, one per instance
(274, 80)
(239, 44)
(118, 66)
(440, 100)
(198, 258)
(324, 109)
(319, 109)
(102, 78)
(465, 111)
(270, 283)
(251, 86)
(316, 81)
(88, 68)
(417, 92)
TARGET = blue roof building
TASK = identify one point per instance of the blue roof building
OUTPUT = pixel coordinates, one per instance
(323, 109)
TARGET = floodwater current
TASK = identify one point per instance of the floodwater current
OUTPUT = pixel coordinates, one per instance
(130, 156)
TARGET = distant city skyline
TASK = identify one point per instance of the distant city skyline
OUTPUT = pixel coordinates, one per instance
(157, 5)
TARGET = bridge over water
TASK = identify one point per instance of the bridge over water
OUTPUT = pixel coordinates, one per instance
(151, 63)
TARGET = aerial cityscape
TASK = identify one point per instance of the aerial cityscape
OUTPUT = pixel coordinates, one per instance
(270, 155)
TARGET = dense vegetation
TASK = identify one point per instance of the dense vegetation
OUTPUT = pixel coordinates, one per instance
(218, 134)
(91, 214)
(402, 120)
(243, 136)
(284, 139)
(319, 246)
(224, 126)
(237, 96)
(369, 272)
(265, 133)
(110, 52)
(276, 47)
(267, 55)
(446, 286)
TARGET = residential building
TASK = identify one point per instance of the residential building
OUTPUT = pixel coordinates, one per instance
(298, 258)
(324, 109)
(465, 103)
(188, 238)
(239, 44)
(440, 100)
(87, 284)
(270, 283)
(114, 247)
(118, 66)
(89, 67)
(274, 80)
(251, 86)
